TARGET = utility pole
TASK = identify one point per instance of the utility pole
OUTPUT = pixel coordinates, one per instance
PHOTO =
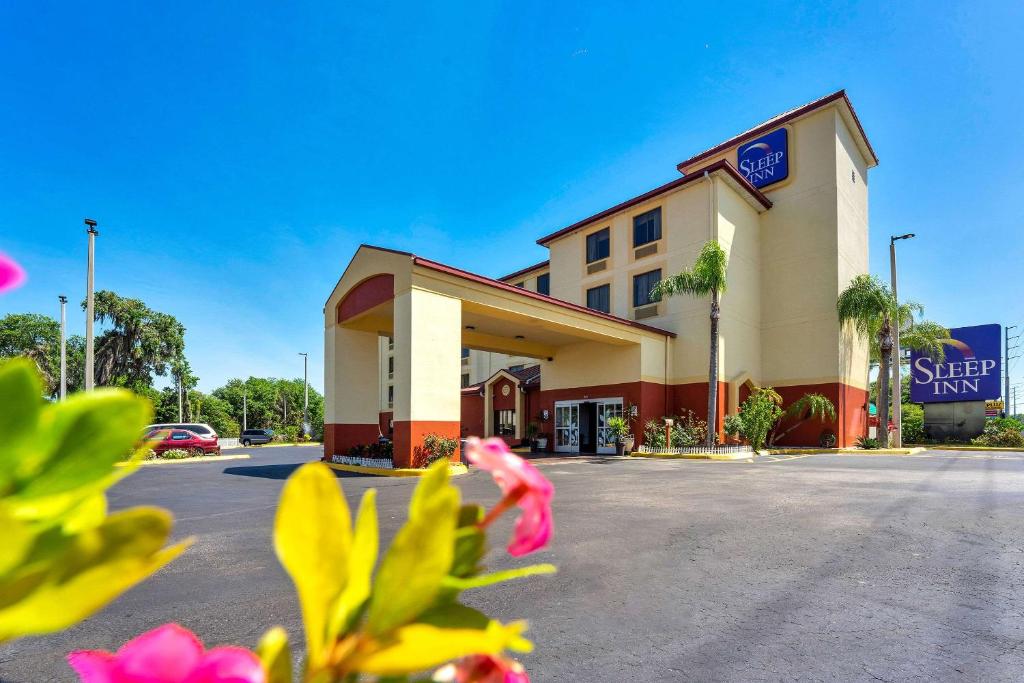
(897, 389)
(1006, 367)
(244, 415)
(90, 361)
(63, 347)
(305, 393)
(181, 416)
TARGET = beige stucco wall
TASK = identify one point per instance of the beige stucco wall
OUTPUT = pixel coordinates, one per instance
(428, 344)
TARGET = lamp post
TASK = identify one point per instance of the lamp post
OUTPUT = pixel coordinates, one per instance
(897, 389)
(245, 425)
(305, 393)
(90, 362)
(63, 346)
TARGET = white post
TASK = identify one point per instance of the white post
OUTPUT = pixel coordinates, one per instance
(63, 347)
(244, 426)
(90, 362)
(305, 393)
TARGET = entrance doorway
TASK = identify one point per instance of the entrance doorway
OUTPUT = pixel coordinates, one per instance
(582, 426)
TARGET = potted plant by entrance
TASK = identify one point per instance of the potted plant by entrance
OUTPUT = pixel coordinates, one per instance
(532, 432)
(542, 442)
(618, 429)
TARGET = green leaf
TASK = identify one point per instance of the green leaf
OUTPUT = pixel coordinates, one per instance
(275, 656)
(498, 577)
(64, 579)
(20, 404)
(17, 541)
(313, 539)
(362, 560)
(414, 566)
(417, 647)
(470, 547)
(79, 441)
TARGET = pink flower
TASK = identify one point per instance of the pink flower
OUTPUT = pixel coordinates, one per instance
(482, 669)
(167, 654)
(11, 274)
(523, 485)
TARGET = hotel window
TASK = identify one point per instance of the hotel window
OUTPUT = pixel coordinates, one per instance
(521, 285)
(465, 380)
(504, 423)
(391, 395)
(599, 298)
(516, 368)
(465, 352)
(544, 284)
(391, 343)
(598, 245)
(391, 367)
(647, 227)
(642, 286)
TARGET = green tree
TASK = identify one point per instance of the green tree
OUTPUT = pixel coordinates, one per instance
(138, 344)
(758, 414)
(707, 278)
(869, 307)
(37, 337)
(267, 400)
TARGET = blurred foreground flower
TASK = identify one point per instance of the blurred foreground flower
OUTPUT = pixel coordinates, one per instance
(167, 654)
(482, 669)
(11, 274)
(523, 485)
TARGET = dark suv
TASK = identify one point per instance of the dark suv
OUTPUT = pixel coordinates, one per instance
(256, 437)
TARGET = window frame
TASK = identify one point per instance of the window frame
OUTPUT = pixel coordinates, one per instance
(607, 231)
(608, 288)
(501, 427)
(656, 211)
(547, 284)
(636, 290)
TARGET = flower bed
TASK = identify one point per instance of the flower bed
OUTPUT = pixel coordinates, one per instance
(363, 461)
(695, 450)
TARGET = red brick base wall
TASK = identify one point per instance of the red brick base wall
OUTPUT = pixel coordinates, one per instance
(338, 438)
(409, 437)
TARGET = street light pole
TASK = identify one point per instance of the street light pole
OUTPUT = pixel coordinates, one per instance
(897, 389)
(63, 346)
(90, 362)
(244, 415)
(305, 393)
(1006, 368)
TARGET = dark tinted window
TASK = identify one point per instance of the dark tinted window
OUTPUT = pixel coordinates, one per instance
(647, 227)
(598, 245)
(642, 286)
(544, 283)
(505, 422)
(180, 436)
(520, 285)
(599, 298)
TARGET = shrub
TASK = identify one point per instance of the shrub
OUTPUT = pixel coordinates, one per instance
(827, 439)
(435, 447)
(758, 414)
(868, 443)
(654, 434)
(733, 425)
(689, 430)
(618, 428)
(1002, 433)
(912, 423)
(175, 454)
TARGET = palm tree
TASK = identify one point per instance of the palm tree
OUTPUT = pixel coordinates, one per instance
(706, 278)
(869, 306)
(807, 407)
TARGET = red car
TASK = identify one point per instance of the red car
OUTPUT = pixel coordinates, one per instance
(161, 440)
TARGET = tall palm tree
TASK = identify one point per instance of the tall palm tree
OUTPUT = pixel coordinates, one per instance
(706, 278)
(869, 306)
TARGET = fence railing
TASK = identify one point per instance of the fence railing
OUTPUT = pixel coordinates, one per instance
(227, 443)
(359, 461)
(696, 450)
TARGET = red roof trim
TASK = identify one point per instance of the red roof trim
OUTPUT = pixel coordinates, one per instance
(528, 269)
(722, 165)
(777, 122)
(498, 284)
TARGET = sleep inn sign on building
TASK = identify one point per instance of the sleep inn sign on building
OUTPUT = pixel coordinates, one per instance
(414, 346)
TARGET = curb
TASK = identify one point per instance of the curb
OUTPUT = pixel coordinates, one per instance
(283, 445)
(200, 458)
(843, 451)
(966, 447)
(692, 456)
(454, 470)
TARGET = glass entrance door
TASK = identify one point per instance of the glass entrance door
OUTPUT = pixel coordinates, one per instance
(607, 409)
(567, 427)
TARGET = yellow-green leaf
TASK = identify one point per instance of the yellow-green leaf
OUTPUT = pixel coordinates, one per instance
(313, 539)
(417, 647)
(16, 539)
(498, 577)
(20, 404)
(65, 579)
(362, 559)
(419, 558)
(275, 656)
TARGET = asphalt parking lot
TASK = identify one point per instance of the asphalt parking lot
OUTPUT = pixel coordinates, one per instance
(826, 567)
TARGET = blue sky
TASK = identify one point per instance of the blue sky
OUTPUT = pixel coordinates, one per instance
(236, 153)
